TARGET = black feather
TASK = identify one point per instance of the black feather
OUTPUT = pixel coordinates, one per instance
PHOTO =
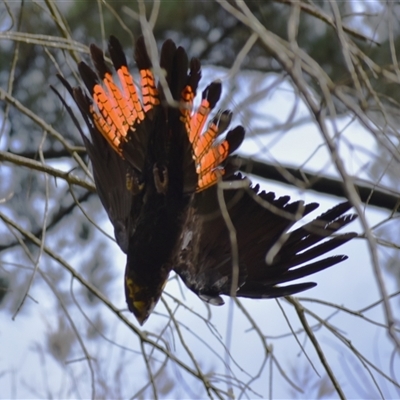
(212, 93)
(88, 75)
(141, 57)
(98, 61)
(116, 53)
(235, 138)
(261, 225)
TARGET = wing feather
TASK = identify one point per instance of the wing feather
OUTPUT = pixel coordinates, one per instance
(262, 224)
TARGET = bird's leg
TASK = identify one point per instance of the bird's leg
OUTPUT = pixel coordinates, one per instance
(160, 178)
(132, 183)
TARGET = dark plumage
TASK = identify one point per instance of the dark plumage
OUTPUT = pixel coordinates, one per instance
(156, 166)
(267, 254)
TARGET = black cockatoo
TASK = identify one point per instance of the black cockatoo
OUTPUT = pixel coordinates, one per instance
(156, 164)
